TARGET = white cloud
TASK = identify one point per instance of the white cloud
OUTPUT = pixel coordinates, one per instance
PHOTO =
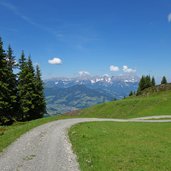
(128, 70)
(55, 61)
(84, 73)
(114, 68)
(169, 18)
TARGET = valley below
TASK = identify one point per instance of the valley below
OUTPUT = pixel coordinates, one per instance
(68, 94)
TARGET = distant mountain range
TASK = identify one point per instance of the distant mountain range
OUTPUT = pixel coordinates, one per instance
(67, 94)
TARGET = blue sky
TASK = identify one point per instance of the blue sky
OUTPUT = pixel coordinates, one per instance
(96, 36)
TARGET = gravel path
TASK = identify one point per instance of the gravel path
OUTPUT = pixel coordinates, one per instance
(47, 148)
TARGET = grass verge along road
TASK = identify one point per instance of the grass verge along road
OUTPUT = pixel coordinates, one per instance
(122, 146)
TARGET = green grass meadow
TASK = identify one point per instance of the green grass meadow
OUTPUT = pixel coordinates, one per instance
(111, 146)
(137, 106)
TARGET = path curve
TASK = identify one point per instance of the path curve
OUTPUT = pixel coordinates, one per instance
(47, 148)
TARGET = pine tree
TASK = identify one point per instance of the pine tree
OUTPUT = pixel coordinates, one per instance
(141, 85)
(147, 82)
(10, 58)
(22, 61)
(131, 93)
(31, 85)
(21, 95)
(6, 91)
(3, 84)
(12, 82)
(40, 103)
(153, 82)
(164, 80)
(22, 88)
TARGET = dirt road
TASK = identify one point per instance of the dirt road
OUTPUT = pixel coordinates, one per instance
(47, 148)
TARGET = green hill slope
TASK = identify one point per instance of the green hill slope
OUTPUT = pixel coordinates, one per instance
(154, 101)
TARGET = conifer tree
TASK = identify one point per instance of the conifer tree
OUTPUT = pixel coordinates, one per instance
(164, 80)
(153, 82)
(6, 91)
(21, 95)
(147, 82)
(22, 88)
(131, 93)
(141, 85)
(10, 58)
(3, 84)
(31, 87)
(12, 82)
(40, 103)
(22, 61)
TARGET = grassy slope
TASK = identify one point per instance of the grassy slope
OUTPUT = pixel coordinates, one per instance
(122, 146)
(155, 104)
